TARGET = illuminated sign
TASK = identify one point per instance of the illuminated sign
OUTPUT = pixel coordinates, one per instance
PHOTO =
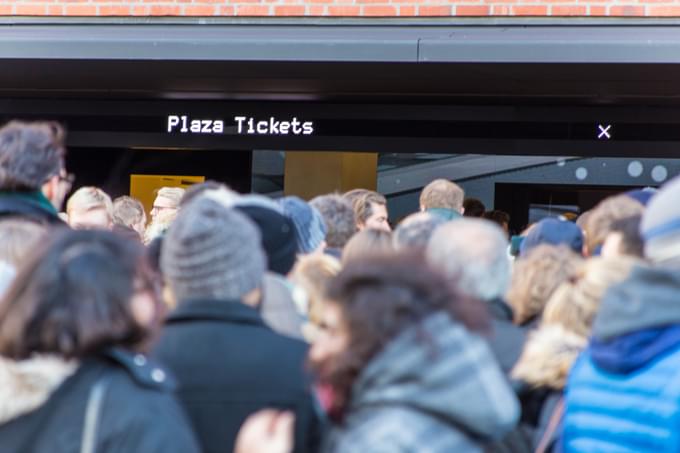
(242, 125)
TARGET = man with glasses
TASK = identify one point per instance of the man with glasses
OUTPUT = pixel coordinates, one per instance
(33, 180)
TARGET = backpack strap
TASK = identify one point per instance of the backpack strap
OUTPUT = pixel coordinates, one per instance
(93, 411)
(553, 424)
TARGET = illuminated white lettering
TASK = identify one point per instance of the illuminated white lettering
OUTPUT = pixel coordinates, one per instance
(285, 127)
(218, 127)
(173, 120)
(273, 126)
(196, 126)
(307, 128)
(184, 129)
(262, 127)
(296, 128)
(251, 128)
(239, 123)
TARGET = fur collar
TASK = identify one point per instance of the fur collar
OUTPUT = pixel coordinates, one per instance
(548, 356)
(27, 384)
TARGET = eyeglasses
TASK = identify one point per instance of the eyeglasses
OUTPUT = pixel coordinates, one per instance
(69, 178)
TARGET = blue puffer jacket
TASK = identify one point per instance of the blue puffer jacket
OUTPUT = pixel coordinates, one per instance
(623, 393)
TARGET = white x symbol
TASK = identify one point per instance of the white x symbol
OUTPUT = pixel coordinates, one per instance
(604, 131)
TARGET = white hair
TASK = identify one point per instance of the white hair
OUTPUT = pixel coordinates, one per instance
(473, 251)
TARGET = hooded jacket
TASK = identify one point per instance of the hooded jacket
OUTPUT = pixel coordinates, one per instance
(624, 392)
(29, 205)
(434, 388)
(43, 402)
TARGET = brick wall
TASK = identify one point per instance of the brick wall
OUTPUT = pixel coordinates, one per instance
(347, 8)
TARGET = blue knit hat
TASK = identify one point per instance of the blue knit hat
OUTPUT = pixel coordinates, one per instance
(310, 229)
(555, 232)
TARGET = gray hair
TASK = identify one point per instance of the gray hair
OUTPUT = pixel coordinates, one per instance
(475, 252)
(416, 230)
(338, 215)
(128, 211)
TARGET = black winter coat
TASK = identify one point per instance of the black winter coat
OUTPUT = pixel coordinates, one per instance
(229, 364)
(138, 413)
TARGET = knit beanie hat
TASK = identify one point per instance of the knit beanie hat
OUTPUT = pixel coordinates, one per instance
(278, 236)
(310, 229)
(211, 251)
(660, 225)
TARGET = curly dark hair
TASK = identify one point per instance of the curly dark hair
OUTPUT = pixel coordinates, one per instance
(380, 297)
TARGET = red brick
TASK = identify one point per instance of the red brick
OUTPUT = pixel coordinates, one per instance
(252, 10)
(569, 10)
(598, 11)
(424, 10)
(227, 10)
(81, 10)
(380, 10)
(31, 9)
(166, 10)
(115, 10)
(407, 10)
(524, 10)
(316, 10)
(199, 10)
(344, 10)
(289, 10)
(627, 10)
(663, 11)
(500, 10)
(6, 10)
(55, 10)
(140, 10)
(472, 10)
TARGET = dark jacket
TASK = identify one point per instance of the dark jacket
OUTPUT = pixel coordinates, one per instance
(623, 393)
(28, 205)
(507, 339)
(138, 412)
(435, 388)
(229, 364)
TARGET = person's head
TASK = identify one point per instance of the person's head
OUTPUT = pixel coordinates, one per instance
(32, 159)
(370, 212)
(474, 251)
(536, 276)
(80, 293)
(473, 207)
(310, 229)
(624, 238)
(205, 187)
(442, 194)
(338, 216)
(18, 238)
(660, 225)
(129, 212)
(553, 231)
(89, 207)
(354, 194)
(311, 276)
(167, 201)
(500, 218)
(213, 252)
(366, 243)
(603, 216)
(369, 304)
(416, 230)
(276, 231)
(575, 302)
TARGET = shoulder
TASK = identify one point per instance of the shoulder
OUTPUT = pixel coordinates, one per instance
(382, 430)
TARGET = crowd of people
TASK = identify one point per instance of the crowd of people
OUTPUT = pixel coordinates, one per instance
(237, 323)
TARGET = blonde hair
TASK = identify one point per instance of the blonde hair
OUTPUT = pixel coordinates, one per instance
(576, 301)
(362, 205)
(17, 239)
(89, 198)
(442, 193)
(536, 276)
(598, 223)
(127, 211)
(174, 194)
(311, 275)
(366, 243)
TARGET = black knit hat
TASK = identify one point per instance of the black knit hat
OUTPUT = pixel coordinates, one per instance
(278, 237)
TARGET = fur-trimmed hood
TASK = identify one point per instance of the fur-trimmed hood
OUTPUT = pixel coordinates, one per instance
(27, 384)
(548, 356)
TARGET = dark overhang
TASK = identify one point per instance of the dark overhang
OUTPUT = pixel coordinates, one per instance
(584, 62)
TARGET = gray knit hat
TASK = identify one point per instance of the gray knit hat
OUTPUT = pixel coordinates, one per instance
(212, 251)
